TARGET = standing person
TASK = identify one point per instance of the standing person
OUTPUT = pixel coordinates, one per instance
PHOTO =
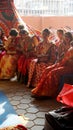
(8, 63)
(50, 79)
(45, 56)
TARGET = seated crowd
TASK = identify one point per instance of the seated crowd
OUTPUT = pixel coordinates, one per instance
(38, 62)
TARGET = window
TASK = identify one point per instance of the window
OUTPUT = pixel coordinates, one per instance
(45, 7)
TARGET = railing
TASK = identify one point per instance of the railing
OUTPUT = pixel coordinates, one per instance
(46, 7)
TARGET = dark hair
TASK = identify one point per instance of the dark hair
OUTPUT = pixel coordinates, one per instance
(20, 26)
(61, 31)
(69, 35)
(23, 31)
(13, 32)
(47, 31)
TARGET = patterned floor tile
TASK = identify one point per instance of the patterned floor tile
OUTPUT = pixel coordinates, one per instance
(30, 116)
(37, 127)
(23, 106)
(39, 121)
(32, 110)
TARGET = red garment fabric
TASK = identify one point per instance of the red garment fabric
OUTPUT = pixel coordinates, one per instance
(9, 59)
(1, 54)
(23, 64)
(25, 59)
(66, 95)
(21, 127)
(50, 79)
(16, 127)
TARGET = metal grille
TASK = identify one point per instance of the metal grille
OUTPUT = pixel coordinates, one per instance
(45, 7)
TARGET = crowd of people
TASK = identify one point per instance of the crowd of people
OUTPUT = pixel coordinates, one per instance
(38, 62)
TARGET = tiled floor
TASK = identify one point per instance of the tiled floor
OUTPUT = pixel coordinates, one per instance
(33, 110)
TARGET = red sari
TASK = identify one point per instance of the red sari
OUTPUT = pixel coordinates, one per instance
(47, 51)
(28, 54)
(8, 62)
(50, 79)
(62, 49)
(66, 95)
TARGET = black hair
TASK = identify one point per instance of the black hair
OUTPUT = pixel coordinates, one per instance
(20, 26)
(13, 32)
(69, 35)
(23, 31)
(61, 31)
(47, 31)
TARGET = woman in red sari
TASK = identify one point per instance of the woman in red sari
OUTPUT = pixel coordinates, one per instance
(60, 34)
(8, 62)
(29, 43)
(62, 46)
(50, 79)
(45, 56)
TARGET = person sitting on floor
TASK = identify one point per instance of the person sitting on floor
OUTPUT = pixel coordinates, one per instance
(29, 44)
(8, 62)
(50, 79)
(45, 56)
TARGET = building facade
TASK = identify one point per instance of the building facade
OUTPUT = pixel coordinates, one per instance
(45, 7)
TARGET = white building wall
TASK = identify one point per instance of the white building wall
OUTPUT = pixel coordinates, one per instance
(45, 7)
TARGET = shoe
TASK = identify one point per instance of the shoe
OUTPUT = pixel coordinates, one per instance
(14, 78)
